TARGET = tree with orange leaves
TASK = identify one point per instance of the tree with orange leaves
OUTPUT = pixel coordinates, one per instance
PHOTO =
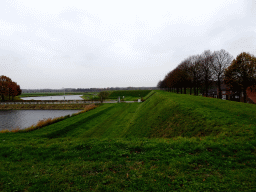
(4, 86)
(14, 90)
(8, 87)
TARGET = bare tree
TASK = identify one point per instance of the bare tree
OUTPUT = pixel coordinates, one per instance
(222, 59)
(194, 70)
(206, 63)
(184, 75)
(159, 84)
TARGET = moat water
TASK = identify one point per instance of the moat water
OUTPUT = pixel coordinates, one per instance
(11, 119)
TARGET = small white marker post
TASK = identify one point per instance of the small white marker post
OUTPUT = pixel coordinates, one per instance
(64, 92)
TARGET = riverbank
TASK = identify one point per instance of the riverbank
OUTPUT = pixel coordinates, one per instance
(43, 106)
(48, 121)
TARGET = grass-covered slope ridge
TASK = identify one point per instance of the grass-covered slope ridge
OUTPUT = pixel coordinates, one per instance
(171, 115)
(170, 142)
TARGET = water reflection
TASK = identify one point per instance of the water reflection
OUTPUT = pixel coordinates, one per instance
(60, 97)
(10, 119)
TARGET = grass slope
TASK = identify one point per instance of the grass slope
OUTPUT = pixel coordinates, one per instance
(169, 142)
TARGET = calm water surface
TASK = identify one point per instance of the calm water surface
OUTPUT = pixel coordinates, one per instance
(60, 97)
(10, 119)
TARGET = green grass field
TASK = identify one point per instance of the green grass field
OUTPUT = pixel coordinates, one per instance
(16, 98)
(131, 95)
(169, 142)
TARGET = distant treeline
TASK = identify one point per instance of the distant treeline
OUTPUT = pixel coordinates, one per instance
(85, 89)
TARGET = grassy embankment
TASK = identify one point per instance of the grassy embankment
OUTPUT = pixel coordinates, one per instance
(169, 142)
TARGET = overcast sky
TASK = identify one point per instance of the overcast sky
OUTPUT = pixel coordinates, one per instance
(90, 43)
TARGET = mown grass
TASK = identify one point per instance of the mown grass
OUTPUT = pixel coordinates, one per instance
(169, 142)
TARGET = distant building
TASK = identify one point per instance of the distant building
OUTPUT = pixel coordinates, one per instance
(227, 94)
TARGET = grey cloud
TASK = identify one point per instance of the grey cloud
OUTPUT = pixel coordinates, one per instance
(108, 44)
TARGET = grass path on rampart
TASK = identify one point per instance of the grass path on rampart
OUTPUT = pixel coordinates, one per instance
(169, 142)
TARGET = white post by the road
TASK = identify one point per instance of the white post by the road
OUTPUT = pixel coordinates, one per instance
(64, 92)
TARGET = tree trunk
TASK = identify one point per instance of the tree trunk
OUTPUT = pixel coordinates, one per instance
(219, 86)
(2, 97)
(206, 88)
(244, 91)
